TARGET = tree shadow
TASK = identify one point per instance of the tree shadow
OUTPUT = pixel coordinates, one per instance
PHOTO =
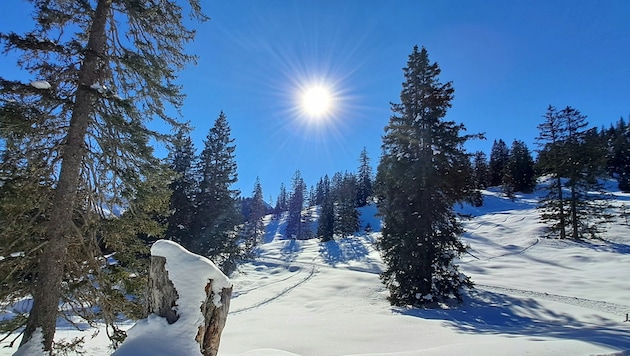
(486, 312)
(344, 250)
(607, 246)
(291, 249)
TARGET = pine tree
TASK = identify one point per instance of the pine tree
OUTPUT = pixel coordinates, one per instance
(520, 168)
(364, 179)
(618, 156)
(499, 156)
(418, 182)
(282, 203)
(216, 214)
(326, 221)
(481, 170)
(296, 204)
(258, 210)
(100, 70)
(182, 160)
(573, 158)
(346, 214)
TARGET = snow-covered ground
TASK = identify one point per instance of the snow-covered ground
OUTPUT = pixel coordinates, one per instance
(534, 296)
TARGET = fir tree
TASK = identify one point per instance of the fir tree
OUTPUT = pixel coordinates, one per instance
(481, 170)
(258, 209)
(100, 70)
(296, 204)
(282, 203)
(499, 156)
(326, 222)
(216, 214)
(520, 168)
(418, 182)
(618, 156)
(182, 161)
(364, 179)
(346, 214)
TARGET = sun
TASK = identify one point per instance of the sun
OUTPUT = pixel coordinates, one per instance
(317, 101)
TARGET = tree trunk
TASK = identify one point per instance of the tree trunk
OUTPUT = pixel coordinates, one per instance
(163, 297)
(209, 335)
(47, 291)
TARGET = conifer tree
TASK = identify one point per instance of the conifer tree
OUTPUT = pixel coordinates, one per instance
(499, 156)
(618, 156)
(99, 71)
(364, 179)
(296, 204)
(258, 210)
(418, 182)
(182, 161)
(216, 214)
(282, 203)
(573, 159)
(326, 221)
(520, 168)
(346, 214)
(481, 170)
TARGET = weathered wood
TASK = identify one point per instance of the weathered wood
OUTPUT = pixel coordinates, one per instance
(162, 293)
(209, 335)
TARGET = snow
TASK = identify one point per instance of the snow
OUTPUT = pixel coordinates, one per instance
(41, 84)
(190, 274)
(533, 295)
(33, 346)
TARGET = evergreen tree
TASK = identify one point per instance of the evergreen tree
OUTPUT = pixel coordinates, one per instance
(418, 182)
(346, 214)
(481, 170)
(326, 222)
(216, 214)
(520, 168)
(100, 70)
(572, 157)
(618, 156)
(258, 210)
(182, 160)
(282, 203)
(499, 156)
(364, 179)
(296, 204)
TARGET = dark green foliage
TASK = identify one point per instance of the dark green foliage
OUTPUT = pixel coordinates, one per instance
(182, 160)
(344, 194)
(364, 180)
(618, 154)
(216, 213)
(110, 67)
(499, 156)
(326, 222)
(481, 170)
(294, 226)
(520, 173)
(282, 203)
(572, 157)
(420, 177)
(254, 226)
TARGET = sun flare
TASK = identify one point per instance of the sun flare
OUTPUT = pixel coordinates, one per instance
(316, 101)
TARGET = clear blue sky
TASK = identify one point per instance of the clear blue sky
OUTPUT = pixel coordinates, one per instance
(508, 61)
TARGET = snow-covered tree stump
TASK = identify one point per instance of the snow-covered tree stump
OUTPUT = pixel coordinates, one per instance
(192, 294)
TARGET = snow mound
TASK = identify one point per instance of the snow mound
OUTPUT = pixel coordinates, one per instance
(190, 273)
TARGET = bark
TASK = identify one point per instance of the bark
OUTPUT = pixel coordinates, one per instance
(209, 335)
(162, 294)
(47, 291)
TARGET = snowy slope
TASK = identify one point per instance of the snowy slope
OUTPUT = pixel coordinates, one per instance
(534, 296)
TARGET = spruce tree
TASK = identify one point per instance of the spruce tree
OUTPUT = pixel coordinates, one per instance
(282, 203)
(295, 205)
(182, 160)
(216, 214)
(346, 214)
(418, 182)
(364, 179)
(573, 159)
(499, 156)
(326, 221)
(520, 167)
(255, 227)
(618, 156)
(99, 71)
(481, 170)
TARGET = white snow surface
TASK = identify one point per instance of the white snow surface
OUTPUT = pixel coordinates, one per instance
(534, 296)
(190, 274)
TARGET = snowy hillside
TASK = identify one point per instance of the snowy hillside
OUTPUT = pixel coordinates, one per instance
(534, 296)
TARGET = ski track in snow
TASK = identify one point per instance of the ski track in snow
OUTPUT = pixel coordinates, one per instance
(599, 305)
(291, 286)
(504, 254)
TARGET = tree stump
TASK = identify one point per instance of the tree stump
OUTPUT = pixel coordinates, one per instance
(163, 299)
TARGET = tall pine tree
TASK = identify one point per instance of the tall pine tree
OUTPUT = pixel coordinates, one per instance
(418, 182)
(364, 179)
(216, 215)
(99, 71)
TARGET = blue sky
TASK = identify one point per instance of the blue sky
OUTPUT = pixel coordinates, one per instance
(508, 61)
